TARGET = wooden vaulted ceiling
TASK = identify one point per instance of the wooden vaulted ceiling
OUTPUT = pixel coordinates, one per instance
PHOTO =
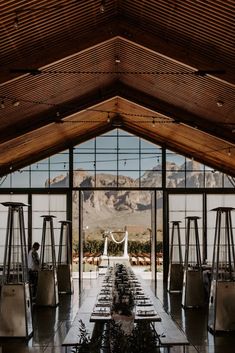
(162, 69)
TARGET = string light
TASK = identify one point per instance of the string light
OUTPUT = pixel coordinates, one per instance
(117, 60)
(226, 149)
(15, 101)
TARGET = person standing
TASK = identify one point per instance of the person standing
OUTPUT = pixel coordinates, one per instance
(33, 266)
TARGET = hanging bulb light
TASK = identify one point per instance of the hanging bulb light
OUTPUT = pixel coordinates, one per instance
(220, 103)
(153, 122)
(16, 22)
(16, 103)
(102, 6)
(117, 60)
(108, 118)
(229, 152)
(2, 104)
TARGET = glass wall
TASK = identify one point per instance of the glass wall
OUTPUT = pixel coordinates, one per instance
(48, 173)
(44, 205)
(110, 214)
(213, 201)
(117, 159)
(182, 172)
(182, 206)
(119, 163)
(4, 215)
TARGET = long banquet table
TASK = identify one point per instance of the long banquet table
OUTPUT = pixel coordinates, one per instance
(144, 309)
(96, 310)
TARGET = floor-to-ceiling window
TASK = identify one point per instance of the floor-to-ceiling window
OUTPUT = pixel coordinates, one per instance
(47, 205)
(4, 216)
(214, 201)
(182, 206)
(124, 168)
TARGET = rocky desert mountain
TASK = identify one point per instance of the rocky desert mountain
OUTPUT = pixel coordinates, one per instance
(117, 208)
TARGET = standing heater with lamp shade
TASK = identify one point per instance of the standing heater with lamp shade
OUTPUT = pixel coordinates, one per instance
(47, 288)
(64, 265)
(175, 276)
(221, 316)
(15, 303)
(193, 289)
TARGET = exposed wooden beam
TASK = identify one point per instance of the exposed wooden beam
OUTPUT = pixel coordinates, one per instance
(124, 91)
(119, 26)
(176, 113)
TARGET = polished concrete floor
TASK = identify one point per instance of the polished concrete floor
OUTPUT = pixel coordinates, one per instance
(51, 326)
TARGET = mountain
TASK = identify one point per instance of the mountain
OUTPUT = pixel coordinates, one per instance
(121, 207)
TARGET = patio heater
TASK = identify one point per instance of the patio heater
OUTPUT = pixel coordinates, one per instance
(64, 265)
(15, 304)
(47, 289)
(193, 288)
(222, 294)
(175, 276)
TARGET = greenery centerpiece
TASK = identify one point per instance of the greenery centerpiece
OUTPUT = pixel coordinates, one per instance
(121, 334)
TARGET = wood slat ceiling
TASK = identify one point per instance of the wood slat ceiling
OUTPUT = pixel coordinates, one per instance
(79, 127)
(201, 25)
(118, 52)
